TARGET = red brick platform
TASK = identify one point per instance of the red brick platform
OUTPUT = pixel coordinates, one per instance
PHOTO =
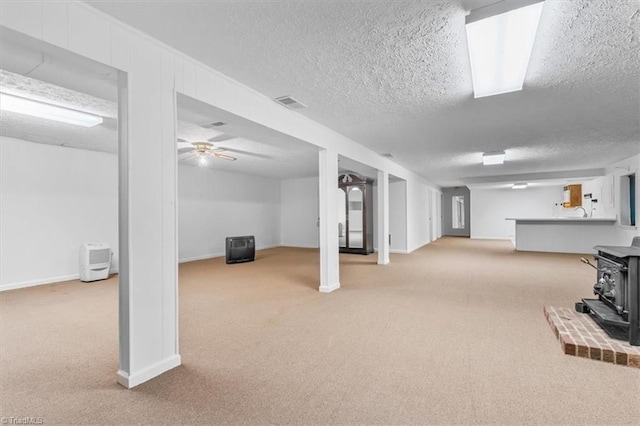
(580, 335)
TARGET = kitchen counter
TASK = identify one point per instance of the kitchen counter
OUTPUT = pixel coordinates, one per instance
(563, 234)
(563, 219)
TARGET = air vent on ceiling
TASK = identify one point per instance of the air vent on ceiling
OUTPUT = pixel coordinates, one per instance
(289, 102)
(214, 124)
(388, 155)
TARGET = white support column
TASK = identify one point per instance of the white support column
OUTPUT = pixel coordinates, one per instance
(147, 218)
(383, 217)
(328, 203)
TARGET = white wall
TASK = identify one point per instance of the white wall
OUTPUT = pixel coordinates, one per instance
(52, 200)
(299, 212)
(490, 207)
(624, 234)
(147, 164)
(409, 210)
(214, 205)
(398, 216)
(418, 205)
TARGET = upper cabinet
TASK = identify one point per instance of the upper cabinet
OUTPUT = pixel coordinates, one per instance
(572, 196)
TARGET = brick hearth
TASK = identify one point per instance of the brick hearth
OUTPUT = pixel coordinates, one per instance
(580, 335)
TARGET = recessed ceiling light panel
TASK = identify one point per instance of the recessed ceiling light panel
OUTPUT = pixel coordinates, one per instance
(500, 39)
(493, 158)
(33, 108)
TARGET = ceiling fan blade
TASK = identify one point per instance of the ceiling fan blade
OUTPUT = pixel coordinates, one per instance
(186, 155)
(249, 153)
(224, 157)
(221, 138)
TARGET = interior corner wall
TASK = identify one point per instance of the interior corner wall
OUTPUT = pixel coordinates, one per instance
(398, 216)
(612, 189)
(418, 205)
(491, 206)
(53, 199)
(213, 205)
(299, 212)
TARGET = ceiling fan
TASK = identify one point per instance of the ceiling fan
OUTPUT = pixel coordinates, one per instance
(201, 150)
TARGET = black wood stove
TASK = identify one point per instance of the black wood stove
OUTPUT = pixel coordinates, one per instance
(617, 308)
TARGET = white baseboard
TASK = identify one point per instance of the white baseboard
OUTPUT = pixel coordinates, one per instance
(221, 254)
(202, 257)
(310, 246)
(491, 238)
(419, 247)
(53, 280)
(398, 251)
(45, 281)
(329, 289)
(131, 380)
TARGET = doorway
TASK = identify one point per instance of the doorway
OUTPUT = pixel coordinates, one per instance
(456, 208)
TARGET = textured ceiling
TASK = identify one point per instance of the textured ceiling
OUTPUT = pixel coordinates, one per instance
(259, 150)
(394, 76)
(35, 70)
(102, 137)
(276, 155)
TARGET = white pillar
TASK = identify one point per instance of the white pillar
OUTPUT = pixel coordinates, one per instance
(383, 217)
(147, 219)
(328, 203)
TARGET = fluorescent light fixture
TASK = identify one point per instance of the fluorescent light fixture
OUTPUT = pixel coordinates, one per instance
(519, 186)
(492, 158)
(38, 109)
(500, 38)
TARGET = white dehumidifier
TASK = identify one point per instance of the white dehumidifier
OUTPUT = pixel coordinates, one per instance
(95, 261)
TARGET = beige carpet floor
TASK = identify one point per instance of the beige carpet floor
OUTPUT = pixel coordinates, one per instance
(452, 333)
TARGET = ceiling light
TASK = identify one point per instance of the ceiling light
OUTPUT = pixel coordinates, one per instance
(492, 158)
(203, 160)
(519, 186)
(500, 38)
(346, 178)
(50, 112)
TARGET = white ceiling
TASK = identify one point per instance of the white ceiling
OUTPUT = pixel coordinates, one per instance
(259, 150)
(35, 70)
(41, 72)
(395, 76)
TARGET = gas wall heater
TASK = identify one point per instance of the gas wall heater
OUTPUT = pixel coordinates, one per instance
(95, 261)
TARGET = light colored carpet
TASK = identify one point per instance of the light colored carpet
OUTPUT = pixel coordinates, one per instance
(453, 333)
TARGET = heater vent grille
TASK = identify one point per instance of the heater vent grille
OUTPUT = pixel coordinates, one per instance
(290, 102)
